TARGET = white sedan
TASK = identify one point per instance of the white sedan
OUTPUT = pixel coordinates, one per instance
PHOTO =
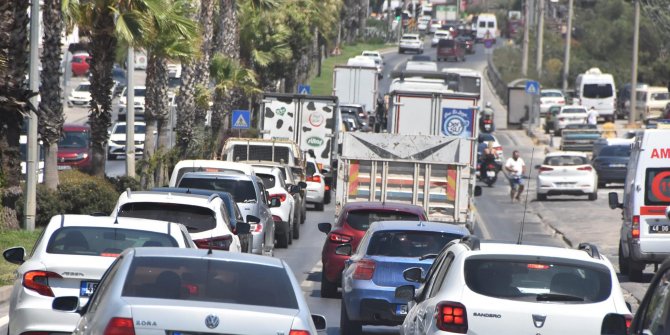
(80, 95)
(116, 145)
(411, 42)
(570, 115)
(566, 173)
(550, 97)
(69, 259)
(440, 34)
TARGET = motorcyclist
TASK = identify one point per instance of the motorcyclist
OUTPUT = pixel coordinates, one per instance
(487, 158)
(487, 114)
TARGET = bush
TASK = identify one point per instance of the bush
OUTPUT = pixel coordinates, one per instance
(122, 183)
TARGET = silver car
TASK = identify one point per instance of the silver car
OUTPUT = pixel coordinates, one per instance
(151, 291)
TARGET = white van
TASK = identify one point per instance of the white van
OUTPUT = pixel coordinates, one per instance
(645, 232)
(650, 102)
(596, 89)
(487, 27)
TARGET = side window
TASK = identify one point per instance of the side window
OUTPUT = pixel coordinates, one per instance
(430, 276)
(226, 217)
(440, 275)
(655, 319)
(183, 235)
(282, 180)
(105, 282)
(38, 241)
(261, 187)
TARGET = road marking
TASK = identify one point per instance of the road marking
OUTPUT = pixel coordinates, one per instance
(482, 226)
(309, 285)
(4, 320)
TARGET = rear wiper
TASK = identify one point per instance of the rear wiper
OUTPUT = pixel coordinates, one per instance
(428, 256)
(558, 297)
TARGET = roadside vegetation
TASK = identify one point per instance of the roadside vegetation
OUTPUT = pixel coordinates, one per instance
(15, 238)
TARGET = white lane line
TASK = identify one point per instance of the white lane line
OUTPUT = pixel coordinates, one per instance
(4, 320)
(482, 226)
(309, 285)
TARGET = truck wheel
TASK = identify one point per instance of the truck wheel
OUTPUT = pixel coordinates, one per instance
(623, 262)
(328, 289)
(635, 271)
(347, 326)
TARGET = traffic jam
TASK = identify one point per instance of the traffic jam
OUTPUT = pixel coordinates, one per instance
(383, 194)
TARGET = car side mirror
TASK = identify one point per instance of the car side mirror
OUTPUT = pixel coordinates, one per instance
(302, 185)
(413, 275)
(478, 191)
(275, 202)
(324, 171)
(325, 227)
(319, 322)
(405, 292)
(613, 324)
(343, 249)
(613, 198)
(242, 228)
(15, 255)
(293, 189)
(537, 167)
(253, 219)
(66, 304)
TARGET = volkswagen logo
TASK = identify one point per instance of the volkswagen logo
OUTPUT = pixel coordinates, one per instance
(212, 321)
(538, 320)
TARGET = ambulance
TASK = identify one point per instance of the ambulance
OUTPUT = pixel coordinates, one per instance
(645, 231)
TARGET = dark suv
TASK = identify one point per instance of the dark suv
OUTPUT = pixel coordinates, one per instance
(450, 49)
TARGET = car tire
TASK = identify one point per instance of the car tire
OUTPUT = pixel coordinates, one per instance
(283, 240)
(111, 157)
(541, 197)
(602, 184)
(400, 51)
(623, 262)
(635, 271)
(296, 228)
(290, 234)
(319, 206)
(328, 289)
(326, 197)
(347, 326)
(593, 196)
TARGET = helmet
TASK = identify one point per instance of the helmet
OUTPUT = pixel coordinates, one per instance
(488, 104)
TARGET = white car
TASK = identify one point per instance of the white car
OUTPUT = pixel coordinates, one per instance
(80, 95)
(435, 25)
(207, 165)
(316, 185)
(150, 291)
(570, 115)
(205, 218)
(379, 60)
(414, 65)
(550, 97)
(567, 172)
(69, 259)
(497, 288)
(116, 145)
(440, 34)
(140, 93)
(411, 42)
(286, 227)
(423, 23)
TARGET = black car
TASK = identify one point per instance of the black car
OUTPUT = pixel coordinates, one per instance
(611, 164)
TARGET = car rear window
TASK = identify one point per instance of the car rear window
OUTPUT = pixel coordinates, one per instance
(446, 43)
(565, 160)
(101, 241)
(657, 190)
(311, 169)
(597, 91)
(361, 219)
(615, 151)
(538, 279)
(268, 180)
(196, 219)
(209, 280)
(242, 190)
(551, 94)
(408, 243)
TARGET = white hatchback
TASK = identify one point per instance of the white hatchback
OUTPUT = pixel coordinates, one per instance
(570, 115)
(566, 173)
(116, 145)
(550, 97)
(69, 258)
(496, 288)
(284, 215)
(411, 42)
(440, 34)
(80, 95)
(316, 185)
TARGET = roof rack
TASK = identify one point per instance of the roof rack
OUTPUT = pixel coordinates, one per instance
(590, 248)
(471, 241)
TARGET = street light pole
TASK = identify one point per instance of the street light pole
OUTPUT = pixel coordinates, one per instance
(540, 38)
(524, 60)
(130, 113)
(633, 77)
(31, 145)
(568, 41)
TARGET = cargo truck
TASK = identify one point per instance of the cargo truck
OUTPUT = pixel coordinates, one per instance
(356, 85)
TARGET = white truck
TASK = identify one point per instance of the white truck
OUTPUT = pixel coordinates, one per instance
(427, 170)
(353, 84)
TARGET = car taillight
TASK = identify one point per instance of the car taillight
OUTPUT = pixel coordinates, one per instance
(316, 179)
(585, 168)
(499, 149)
(491, 166)
(365, 268)
(635, 228)
(281, 197)
(338, 238)
(298, 332)
(256, 227)
(545, 169)
(220, 242)
(38, 281)
(452, 317)
(629, 320)
(120, 326)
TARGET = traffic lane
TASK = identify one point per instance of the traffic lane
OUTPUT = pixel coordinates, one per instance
(4, 319)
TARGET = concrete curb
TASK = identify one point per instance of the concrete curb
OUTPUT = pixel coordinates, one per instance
(5, 293)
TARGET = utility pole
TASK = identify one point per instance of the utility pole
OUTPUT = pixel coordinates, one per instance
(524, 60)
(31, 145)
(130, 113)
(540, 38)
(568, 41)
(633, 77)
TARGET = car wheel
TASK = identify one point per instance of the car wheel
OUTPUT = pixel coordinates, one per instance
(326, 197)
(319, 206)
(296, 228)
(601, 184)
(400, 51)
(328, 289)
(635, 270)
(347, 326)
(623, 262)
(282, 240)
(111, 157)
(593, 196)
(541, 197)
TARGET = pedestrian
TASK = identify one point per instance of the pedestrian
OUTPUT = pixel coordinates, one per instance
(592, 116)
(515, 168)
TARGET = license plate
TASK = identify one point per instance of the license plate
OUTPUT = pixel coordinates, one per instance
(490, 174)
(658, 228)
(564, 185)
(401, 310)
(87, 288)
(617, 165)
(64, 167)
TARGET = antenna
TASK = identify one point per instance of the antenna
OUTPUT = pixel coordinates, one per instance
(209, 249)
(525, 203)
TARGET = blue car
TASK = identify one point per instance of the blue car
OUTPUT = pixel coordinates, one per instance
(373, 272)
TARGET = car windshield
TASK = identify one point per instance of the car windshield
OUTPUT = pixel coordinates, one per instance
(485, 137)
(615, 151)
(565, 160)
(121, 129)
(139, 92)
(551, 94)
(408, 243)
(103, 241)
(196, 219)
(74, 139)
(243, 191)
(573, 110)
(210, 280)
(538, 279)
(410, 38)
(268, 180)
(597, 91)
(362, 218)
(84, 88)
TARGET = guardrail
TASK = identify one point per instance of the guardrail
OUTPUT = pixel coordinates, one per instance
(496, 81)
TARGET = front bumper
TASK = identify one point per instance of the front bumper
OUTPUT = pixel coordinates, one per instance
(373, 305)
(79, 100)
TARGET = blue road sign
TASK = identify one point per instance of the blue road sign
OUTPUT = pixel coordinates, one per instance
(304, 89)
(532, 87)
(241, 119)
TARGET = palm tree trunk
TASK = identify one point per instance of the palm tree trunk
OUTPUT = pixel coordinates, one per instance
(51, 107)
(103, 43)
(156, 112)
(185, 107)
(227, 39)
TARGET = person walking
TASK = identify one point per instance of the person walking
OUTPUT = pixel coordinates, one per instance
(592, 116)
(515, 168)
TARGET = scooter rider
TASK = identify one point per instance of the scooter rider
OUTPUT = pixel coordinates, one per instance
(487, 114)
(487, 158)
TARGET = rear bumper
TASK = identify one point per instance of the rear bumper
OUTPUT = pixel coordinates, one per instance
(376, 306)
(647, 257)
(612, 176)
(577, 146)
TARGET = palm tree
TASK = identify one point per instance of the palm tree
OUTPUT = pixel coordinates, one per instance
(51, 115)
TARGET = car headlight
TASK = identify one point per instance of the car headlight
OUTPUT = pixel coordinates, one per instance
(82, 155)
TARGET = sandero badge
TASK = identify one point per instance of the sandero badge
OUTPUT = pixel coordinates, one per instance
(538, 320)
(212, 321)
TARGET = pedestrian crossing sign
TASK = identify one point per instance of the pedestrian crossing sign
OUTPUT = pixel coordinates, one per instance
(241, 119)
(532, 87)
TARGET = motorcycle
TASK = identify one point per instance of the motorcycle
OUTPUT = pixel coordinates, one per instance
(490, 173)
(486, 124)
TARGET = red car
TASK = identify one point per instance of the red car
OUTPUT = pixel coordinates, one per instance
(450, 49)
(352, 223)
(74, 148)
(80, 64)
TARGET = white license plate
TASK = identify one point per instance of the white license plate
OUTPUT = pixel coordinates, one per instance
(490, 174)
(87, 288)
(64, 167)
(617, 165)
(659, 228)
(401, 310)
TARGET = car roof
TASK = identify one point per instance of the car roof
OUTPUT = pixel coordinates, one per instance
(554, 90)
(166, 197)
(85, 82)
(205, 163)
(411, 35)
(217, 175)
(204, 253)
(496, 248)
(573, 107)
(137, 123)
(382, 205)
(82, 220)
(75, 127)
(566, 153)
(195, 191)
(419, 226)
